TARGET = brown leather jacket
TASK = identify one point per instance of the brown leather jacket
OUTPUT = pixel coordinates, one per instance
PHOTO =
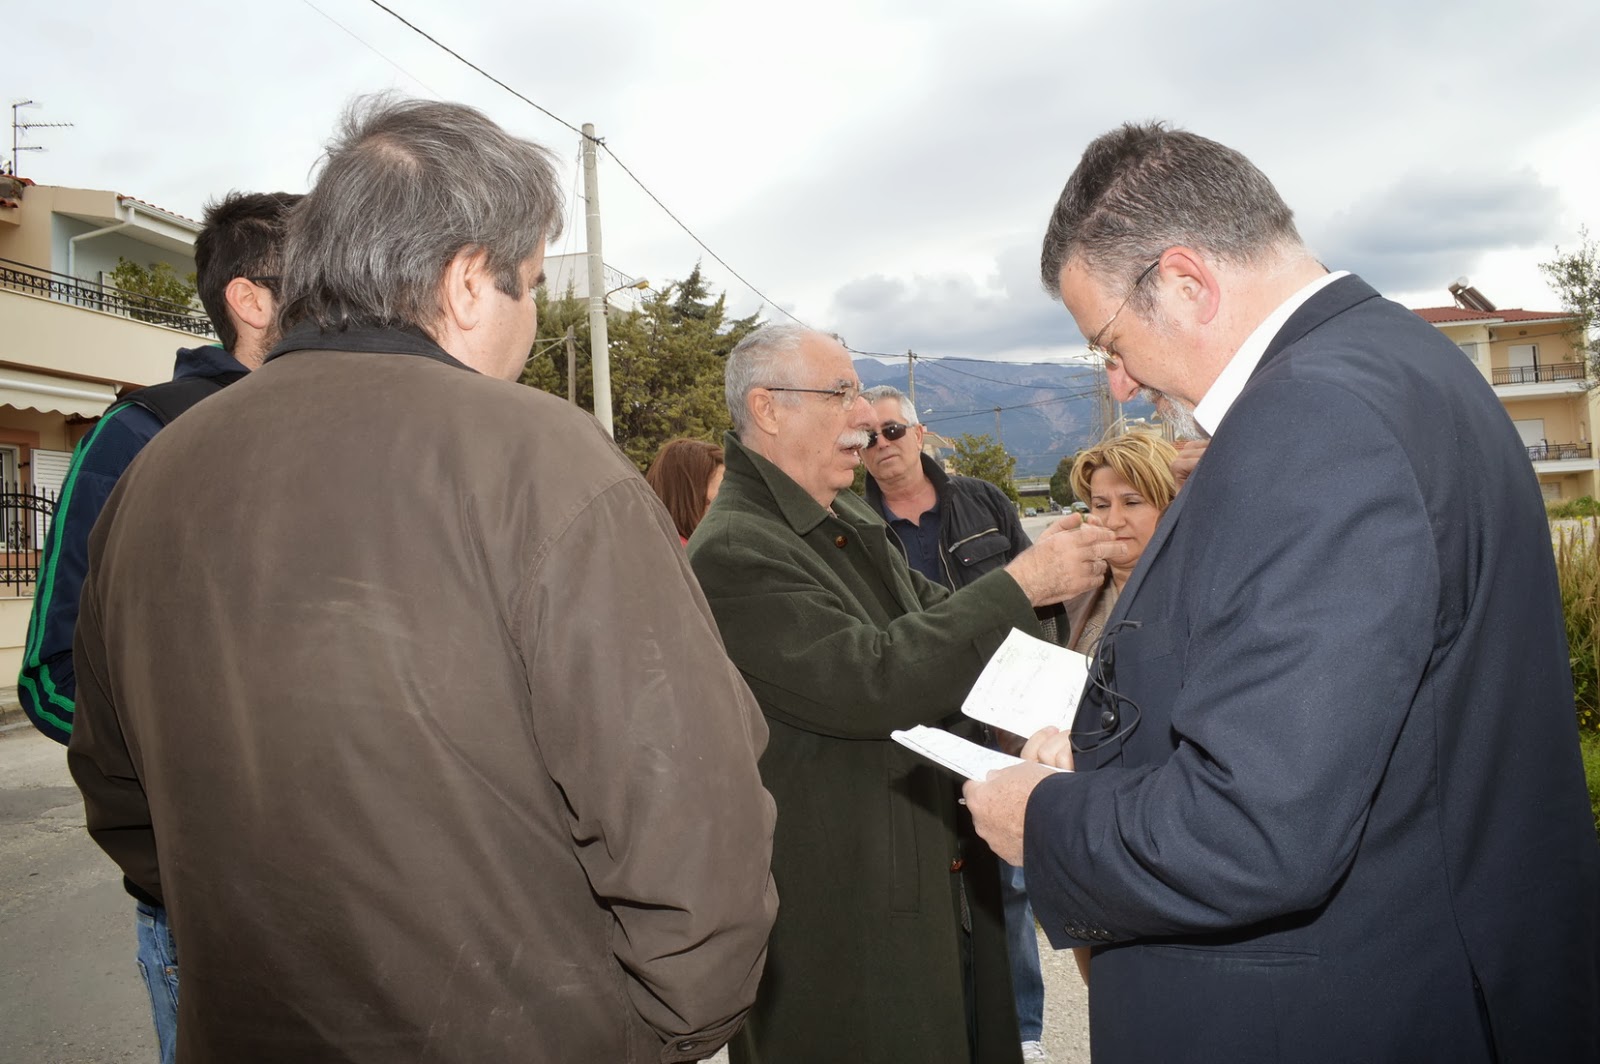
(395, 684)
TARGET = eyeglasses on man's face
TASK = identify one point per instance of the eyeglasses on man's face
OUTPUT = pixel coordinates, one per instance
(1107, 356)
(891, 431)
(846, 394)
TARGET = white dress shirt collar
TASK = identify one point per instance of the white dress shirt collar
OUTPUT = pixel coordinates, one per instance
(1213, 407)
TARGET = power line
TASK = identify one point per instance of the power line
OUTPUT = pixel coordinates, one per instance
(600, 141)
(969, 358)
(413, 27)
(1014, 384)
(692, 236)
(359, 40)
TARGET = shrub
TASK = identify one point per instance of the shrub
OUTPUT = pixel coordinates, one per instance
(1573, 508)
(1589, 742)
(1578, 572)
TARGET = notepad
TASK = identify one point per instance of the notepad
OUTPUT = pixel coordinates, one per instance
(1029, 684)
(961, 756)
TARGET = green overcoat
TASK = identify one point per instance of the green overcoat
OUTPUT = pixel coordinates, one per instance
(842, 644)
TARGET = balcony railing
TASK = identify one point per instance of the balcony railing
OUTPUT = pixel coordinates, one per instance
(67, 289)
(1557, 371)
(1553, 452)
(25, 515)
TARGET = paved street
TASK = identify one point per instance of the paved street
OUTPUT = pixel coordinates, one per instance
(69, 989)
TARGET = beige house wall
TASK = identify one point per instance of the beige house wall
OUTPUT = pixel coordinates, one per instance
(13, 636)
(1567, 418)
(53, 337)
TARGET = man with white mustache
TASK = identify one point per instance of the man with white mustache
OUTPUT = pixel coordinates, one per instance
(890, 942)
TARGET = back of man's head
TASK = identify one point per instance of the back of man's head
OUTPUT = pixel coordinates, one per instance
(242, 237)
(1141, 189)
(405, 186)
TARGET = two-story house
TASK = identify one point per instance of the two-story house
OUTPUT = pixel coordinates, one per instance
(70, 345)
(1533, 361)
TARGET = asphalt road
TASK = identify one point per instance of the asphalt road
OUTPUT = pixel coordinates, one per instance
(70, 991)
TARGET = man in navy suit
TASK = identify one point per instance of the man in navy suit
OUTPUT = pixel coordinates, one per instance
(1328, 803)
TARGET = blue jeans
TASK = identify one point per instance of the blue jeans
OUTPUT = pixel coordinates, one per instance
(1022, 942)
(158, 963)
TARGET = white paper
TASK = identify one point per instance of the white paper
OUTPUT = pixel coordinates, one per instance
(959, 755)
(1029, 684)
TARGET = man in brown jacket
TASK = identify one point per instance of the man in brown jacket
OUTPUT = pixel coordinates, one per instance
(394, 683)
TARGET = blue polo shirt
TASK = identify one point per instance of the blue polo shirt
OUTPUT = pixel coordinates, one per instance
(920, 540)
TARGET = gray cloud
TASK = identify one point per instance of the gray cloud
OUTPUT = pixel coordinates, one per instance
(1428, 228)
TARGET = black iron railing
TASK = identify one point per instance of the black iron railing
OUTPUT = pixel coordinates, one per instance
(25, 515)
(1556, 371)
(1548, 452)
(80, 293)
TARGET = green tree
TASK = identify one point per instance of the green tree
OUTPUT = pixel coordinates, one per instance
(1575, 276)
(1061, 481)
(667, 361)
(981, 457)
(156, 291)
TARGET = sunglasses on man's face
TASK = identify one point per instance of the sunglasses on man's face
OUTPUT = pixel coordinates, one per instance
(891, 432)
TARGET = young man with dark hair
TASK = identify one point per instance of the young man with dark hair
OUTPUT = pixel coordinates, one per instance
(237, 254)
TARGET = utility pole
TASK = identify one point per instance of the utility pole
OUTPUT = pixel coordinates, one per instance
(599, 345)
(17, 126)
(1102, 395)
(998, 435)
(572, 364)
(911, 376)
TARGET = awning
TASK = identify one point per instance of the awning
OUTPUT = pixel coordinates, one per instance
(61, 395)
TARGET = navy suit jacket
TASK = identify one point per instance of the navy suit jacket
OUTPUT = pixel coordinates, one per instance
(1337, 811)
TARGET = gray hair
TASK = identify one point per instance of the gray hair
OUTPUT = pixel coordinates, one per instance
(889, 391)
(405, 186)
(763, 359)
(1141, 189)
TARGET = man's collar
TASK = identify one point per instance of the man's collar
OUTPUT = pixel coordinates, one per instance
(401, 340)
(1214, 406)
(795, 504)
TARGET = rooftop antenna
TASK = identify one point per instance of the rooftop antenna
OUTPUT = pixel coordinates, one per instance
(18, 125)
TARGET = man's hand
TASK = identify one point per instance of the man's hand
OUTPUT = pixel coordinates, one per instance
(999, 805)
(1069, 559)
(1049, 746)
(1189, 454)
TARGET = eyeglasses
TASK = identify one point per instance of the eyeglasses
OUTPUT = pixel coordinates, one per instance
(847, 394)
(1101, 678)
(1110, 357)
(891, 432)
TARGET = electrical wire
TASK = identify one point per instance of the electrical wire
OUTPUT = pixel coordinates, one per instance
(600, 142)
(359, 40)
(414, 28)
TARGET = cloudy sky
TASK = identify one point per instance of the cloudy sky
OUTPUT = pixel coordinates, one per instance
(878, 167)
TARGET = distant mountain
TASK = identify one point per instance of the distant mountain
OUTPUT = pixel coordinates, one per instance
(1046, 411)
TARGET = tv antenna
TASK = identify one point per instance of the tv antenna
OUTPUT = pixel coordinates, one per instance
(18, 126)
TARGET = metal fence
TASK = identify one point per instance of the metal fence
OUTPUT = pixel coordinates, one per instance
(1547, 452)
(1557, 371)
(80, 293)
(25, 515)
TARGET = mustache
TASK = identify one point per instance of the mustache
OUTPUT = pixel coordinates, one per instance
(854, 439)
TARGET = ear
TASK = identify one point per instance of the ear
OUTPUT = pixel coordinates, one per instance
(251, 305)
(1185, 273)
(466, 286)
(763, 407)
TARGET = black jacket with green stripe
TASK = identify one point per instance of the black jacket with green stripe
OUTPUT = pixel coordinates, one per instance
(47, 686)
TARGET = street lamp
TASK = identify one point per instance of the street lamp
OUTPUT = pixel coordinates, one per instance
(641, 284)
